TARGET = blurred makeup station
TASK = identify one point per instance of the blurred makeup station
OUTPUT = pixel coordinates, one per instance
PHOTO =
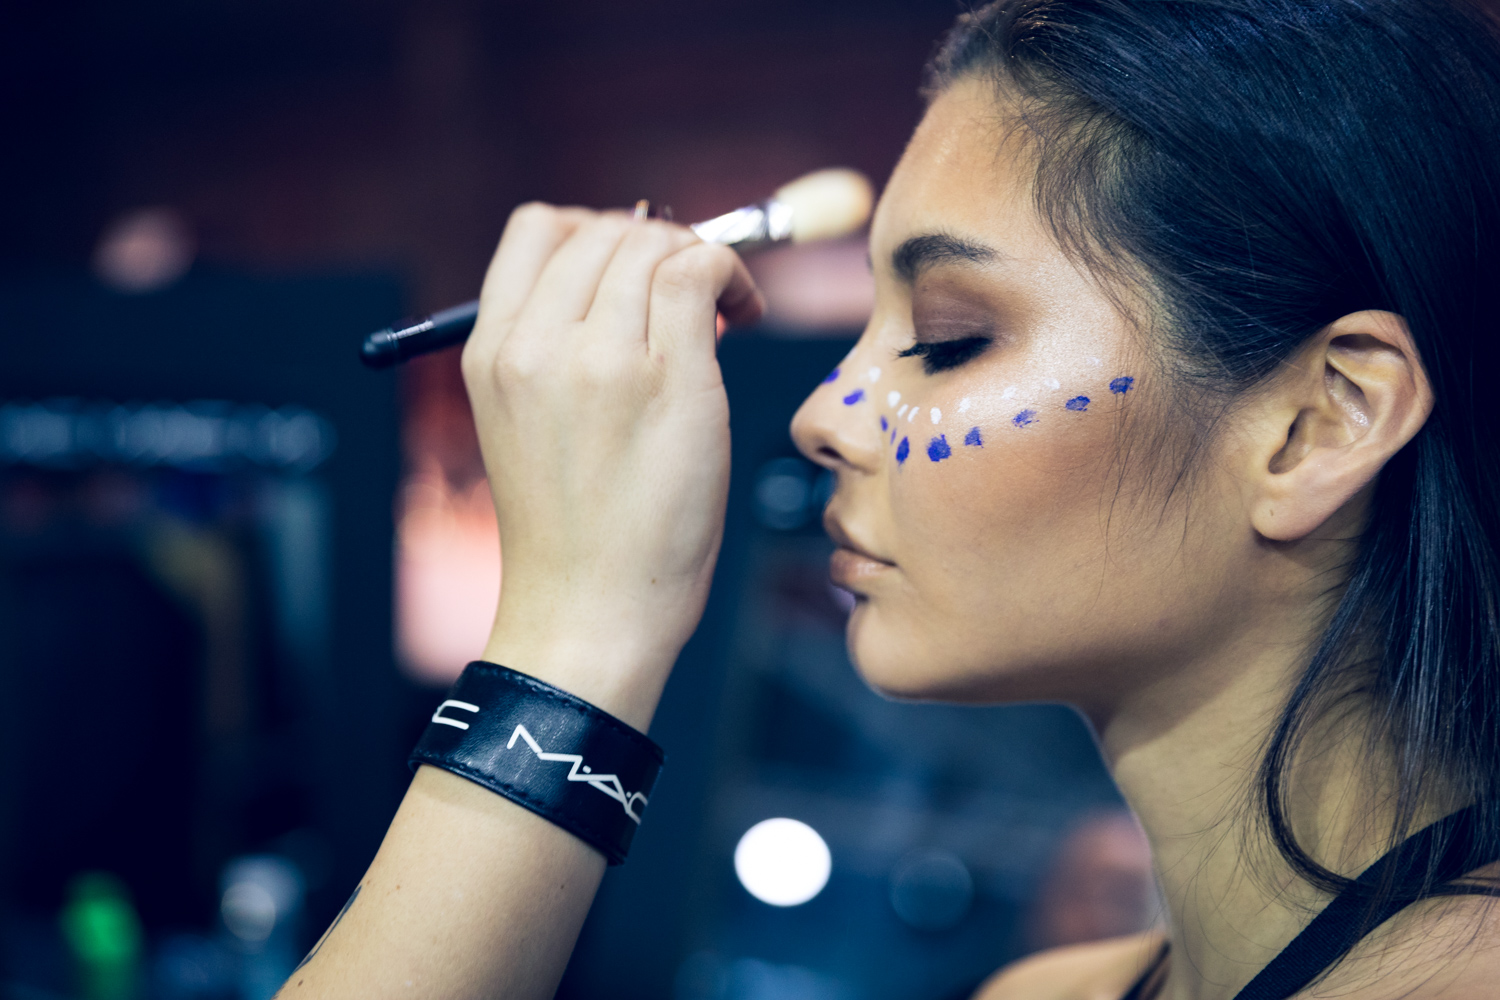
(238, 570)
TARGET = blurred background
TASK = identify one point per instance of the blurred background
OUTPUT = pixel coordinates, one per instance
(237, 570)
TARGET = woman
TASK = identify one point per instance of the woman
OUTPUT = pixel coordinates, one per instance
(1174, 408)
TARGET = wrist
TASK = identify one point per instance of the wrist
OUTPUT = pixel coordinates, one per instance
(622, 677)
(546, 750)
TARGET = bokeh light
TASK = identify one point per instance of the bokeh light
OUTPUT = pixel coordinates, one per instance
(145, 250)
(782, 862)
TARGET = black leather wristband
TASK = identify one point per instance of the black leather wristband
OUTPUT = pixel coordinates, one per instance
(545, 749)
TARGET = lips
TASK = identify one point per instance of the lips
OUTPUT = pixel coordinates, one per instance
(852, 566)
(854, 571)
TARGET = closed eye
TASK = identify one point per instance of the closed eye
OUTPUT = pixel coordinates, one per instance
(940, 356)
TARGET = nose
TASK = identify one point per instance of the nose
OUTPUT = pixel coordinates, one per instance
(838, 425)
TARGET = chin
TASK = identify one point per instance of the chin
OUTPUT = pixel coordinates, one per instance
(906, 665)
(886, 662)
(896, 684)
(872, 660)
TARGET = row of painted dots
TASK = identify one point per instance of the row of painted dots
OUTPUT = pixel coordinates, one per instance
(939, 449)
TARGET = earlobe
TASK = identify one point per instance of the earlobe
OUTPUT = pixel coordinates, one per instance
(1351, 399)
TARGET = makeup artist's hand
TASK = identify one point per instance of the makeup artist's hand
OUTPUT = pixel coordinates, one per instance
(605, 431)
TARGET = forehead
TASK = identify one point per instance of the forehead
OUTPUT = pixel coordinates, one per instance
(964, 173)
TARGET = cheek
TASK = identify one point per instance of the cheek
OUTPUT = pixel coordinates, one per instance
(1003, 484)
(996, 545)
(1008, 490)
(1003, 548)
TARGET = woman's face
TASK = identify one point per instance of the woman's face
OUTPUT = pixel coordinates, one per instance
(998, 518)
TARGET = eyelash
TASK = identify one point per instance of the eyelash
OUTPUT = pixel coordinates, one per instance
(942, 355)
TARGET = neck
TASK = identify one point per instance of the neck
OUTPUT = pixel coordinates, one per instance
(1186, 757)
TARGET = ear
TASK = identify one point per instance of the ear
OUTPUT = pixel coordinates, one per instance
(1348, 401)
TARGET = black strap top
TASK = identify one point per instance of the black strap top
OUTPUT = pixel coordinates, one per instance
(1345, 920)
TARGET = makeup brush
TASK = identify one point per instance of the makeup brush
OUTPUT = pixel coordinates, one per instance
(822, 205)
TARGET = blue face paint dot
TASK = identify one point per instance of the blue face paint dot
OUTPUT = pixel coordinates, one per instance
(833, 376)
(902, 450)
(937, 448)
(1121, 385)
(884, 424)
(893, 435)
(1078, 404)
(1024, 418)
(972, 439)
(854, 397)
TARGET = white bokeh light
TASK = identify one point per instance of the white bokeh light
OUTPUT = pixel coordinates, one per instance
(782, 862)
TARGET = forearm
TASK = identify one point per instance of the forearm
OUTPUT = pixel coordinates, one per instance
(469, 896)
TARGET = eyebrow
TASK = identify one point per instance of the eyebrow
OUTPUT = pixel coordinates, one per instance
(919, 253)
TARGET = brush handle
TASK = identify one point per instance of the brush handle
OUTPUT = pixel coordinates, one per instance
(444, 328)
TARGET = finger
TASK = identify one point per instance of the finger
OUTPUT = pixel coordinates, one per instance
(689, 289)
(532, 235)
(741, 302)
(565, 288)
(624, 293)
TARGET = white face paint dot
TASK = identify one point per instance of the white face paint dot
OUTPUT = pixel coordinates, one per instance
(1009, 393)
(1051, 383)
(1095, 362)
(913, 414)
(874, 374)
(901, 412)
(936, 414)
(892, 398)
(963, 405)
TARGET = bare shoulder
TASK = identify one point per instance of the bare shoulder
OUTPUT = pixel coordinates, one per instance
(1102, 970)
(1443, 949)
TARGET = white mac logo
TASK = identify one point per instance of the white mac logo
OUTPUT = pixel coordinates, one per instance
(609, 784)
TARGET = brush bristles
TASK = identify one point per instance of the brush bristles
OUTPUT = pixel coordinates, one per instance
(827, 204)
